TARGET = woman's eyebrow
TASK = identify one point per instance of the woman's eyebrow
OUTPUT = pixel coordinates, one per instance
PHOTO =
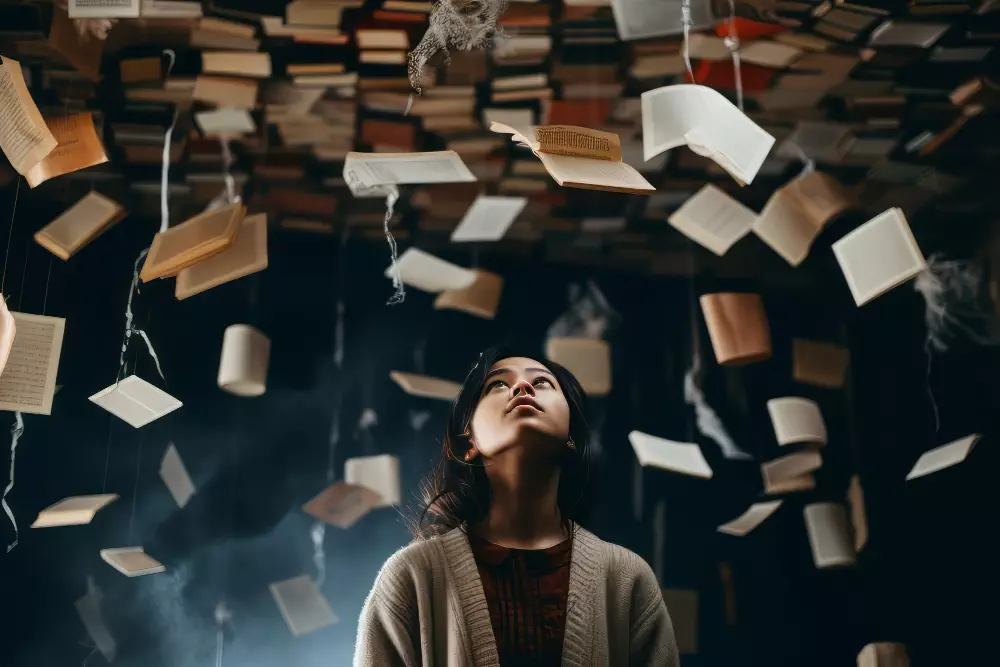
(498, 371)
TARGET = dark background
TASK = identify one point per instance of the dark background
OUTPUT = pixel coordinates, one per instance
(925, 578)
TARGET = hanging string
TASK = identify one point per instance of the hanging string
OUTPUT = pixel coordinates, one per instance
(222, 617)
(135, 486)
(16, 432)
(45, 301)
(107, 453)
(24, 273)
(130, 328)
(732, 42)
(409, 105)
(227, 161)
(397, 279)
(687, 23)
(6, 256)
(164, 171)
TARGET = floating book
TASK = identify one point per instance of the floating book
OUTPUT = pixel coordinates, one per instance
(73, 511)
(89, 609)
(681, 457)
(488, 219)
(247, 255)
(796, 213)
(226, 121)
(701, 118)
(943, 457)
(791, 466)
(192, 241)
(342, 504)
(28, 378)
(588, 359)
(132, 561)
(175, 475)
(819, 364)
(829, 535)
(426, 386)
(879, 255)
(805, 482)
(379, 473)
(302, 605)
(884, 654)
(24, 137)
(481, 298)
(246, 353)
(136, 401)
(237, 63)
(753, 517)
(429, 273)
(366, 170)
(578, 157)
(78, 148)
(80, 224)
(796, 420)
(713, 219)
(737, 326)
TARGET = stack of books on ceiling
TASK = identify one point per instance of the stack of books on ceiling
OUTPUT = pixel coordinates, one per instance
(527, 39)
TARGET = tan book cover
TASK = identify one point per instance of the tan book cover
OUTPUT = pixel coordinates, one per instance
(247, 255)
(342, 504)
(78, 147)
(737, 326)
(79, 225)
(819, 364)
(73, 511)
(588, 359)
(481, 298)
(192, 241)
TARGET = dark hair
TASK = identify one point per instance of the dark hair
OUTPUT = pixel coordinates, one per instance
(457, 493)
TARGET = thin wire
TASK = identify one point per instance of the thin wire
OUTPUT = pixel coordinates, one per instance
(24, 272)
(135, 487)
(927, 383)
(45, 301)
(6, 256)
(686, 22)
(107, 453)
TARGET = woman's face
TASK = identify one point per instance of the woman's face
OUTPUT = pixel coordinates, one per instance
(521, 404)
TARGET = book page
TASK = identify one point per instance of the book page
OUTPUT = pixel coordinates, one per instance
(680, 457)
(89, 609)
(818, 196)
(425, 386)
(342, 504)
(668, 114)
(589, 174)
(28, 381)
(80, 224)
(302, 605)
(481, 298)
(796, 420)
(753, 517)
(782, 226)
(578, 142)
(642, 19)
(73, 511)
(226, 121)
(793, 465)
(371, 169)
(589, 359)
(943, 457)
(132, 561)
(713, 219)
(104, 9)
(175, 476)
(136, 401)
(488, 219)
(24, 137)
(78, 148)
(737, 144)
(426, 272)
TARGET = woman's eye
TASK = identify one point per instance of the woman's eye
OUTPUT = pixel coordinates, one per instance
(496, 384)
(541, 380)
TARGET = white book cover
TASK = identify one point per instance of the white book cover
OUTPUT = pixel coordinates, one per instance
(302, 605)
(797, 420)
(681, 457)
(753, 517)
(943, 457)
(379, 473)
(136, 401)
(426, 272)
(175, 475)
(489, 218)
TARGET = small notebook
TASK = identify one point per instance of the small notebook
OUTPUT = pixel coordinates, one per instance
(879, 255)
(829, 535)
(302, 605)
(884, 654)
(247, 255)
(74, 511)
(481, 298)
(589, 359)
(175, 475)
(797, 420)
(192, 241)
(753, 517)
(790, 466)
(132, 561)
(425, 386)
(713, 219)
(819, 364)
(342, 504)
(79, 225)
(426, 272)
(379, 473)
(136, 401)
(681, 457)
(943, 457)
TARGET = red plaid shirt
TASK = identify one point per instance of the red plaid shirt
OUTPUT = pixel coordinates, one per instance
(526, 593)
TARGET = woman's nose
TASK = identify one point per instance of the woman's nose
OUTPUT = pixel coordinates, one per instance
(522, 387)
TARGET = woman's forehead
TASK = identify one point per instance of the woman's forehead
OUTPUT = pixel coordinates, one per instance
(515, 364)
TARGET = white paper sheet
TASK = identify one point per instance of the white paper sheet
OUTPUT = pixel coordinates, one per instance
(879, 255)
(713, 219)
(28, 381)
(797, 420)
(641, 19)
(379, 473)
(429, 273)
(943, 457)
(829, 535)
(175, 475)
(302, 605)
(511, 117)
(682, 457)
(226, 121)
(136, 401)
(753, 517)
(371, 169)
(489, 218)
(707, 122)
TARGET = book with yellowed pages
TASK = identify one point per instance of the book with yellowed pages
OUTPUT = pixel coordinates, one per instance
(578, 157)
(342, 504)
(24, 137)
(80, 224)
(192, 241)
(481, 298)
(74, 511)
(247, 255)
(132, 561)
(78, 147)
(425, 386)
(588, 359)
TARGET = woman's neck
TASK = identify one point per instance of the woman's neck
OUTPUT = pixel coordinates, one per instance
(524, 512)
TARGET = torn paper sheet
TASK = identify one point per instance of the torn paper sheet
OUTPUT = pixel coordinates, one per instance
(175, 476)
(790, 466)
(737, 326)
(78, 147)
(879, 255)
(819, 364)
(588, 359)
(373, 169)
(481, 298)
(132, 561)
(246, 353)
(829, 535)
(708, 123)
(247, 255)
(302, 605)
(342, 504)
(753, 517)
(28, 380)
(136, 401)
(8, 331)
(89, 609)
(425, 386)
(24, 136)
(73, 511)
(859, 517)
(379, 473)
(488, 219)
(643, 19)
(80, 224)
(429, 273)
(16, 431)
(681, 457)
(797, 420)
(943, 457)
(713, 219)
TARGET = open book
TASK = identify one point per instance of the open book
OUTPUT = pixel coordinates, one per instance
(80, 224)
(578, 157)
(192, 241)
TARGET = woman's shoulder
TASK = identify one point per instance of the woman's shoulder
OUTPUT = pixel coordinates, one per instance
(616, 561)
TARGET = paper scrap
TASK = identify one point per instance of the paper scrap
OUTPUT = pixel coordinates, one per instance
(379, 473)
(78, 147)
(342, 504)
(28, 380)
(73, 511)
(175, 475)
(859, 517)
(943, 457)
(819, 364)
(426, 272)
(588, 359)
(481, 298)
(753, 517)
(681, 457)
(247, 255)
(797, 420)
(791, 466)
(132, 561)
(136, 401)
(879, 255)
(829, 535)
(488, 219)
(24, 136)
(425, 386)
(80, 224)
(302, 605)
(714, 219)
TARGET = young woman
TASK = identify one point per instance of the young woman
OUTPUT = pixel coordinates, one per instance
(500, 573)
